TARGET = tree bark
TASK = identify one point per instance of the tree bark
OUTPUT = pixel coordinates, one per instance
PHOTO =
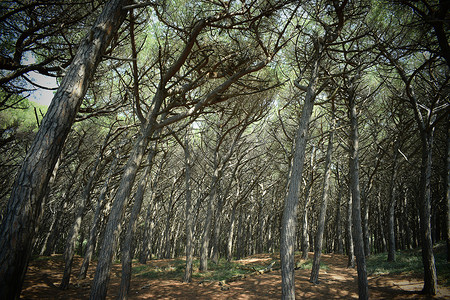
(189, 215)
(96, 219)
(231, 234)
(447, 212)
(127, 251)
(206, 235)
(363, 287)
(289, 219)
(305, 223)
(392, 200)
(339, 243)
(69, 250)
(429, 266)
(25, 204)
(217, 219)
(365, 221)
(323, 208)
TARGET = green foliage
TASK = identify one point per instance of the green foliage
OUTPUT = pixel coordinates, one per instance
(223, 270)
(307, 265)
(410, 262)
(22, 119)
(406, 262)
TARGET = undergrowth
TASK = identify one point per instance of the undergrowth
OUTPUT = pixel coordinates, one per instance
(410, 262)
(223, 270)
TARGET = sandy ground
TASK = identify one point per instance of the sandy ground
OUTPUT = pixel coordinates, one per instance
(337, 282)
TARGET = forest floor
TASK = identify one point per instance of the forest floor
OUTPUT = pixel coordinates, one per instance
(161, 279)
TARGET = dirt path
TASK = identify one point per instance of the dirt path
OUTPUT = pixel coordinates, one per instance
(337, 282)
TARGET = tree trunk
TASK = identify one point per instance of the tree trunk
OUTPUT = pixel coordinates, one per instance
(305, 225)
(215, 254)
(380, 223)
(96, 219)
(231, 233)
(167, 244)
(69, 251)
(447, 212)
(101, 279)
(363, 287)
(392, 200)
(430, 276)
(146, 249)
(323, 208)
(189, 214)
(240, 237)
(365, 200)
(25, 204)
(204, 251)
(339, 243)
(127, 251)
(289, 219)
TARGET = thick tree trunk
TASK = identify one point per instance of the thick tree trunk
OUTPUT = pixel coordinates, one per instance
(127, 250)
(108, 248)
(323, 208)
(429, 266)
(25, 204)
(289, 219)
(363, 287)
(96, 219)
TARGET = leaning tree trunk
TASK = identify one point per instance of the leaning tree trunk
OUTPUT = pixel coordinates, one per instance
(323, 209)
(110, 239)
(127, 251)
(363, 287)
(289, 219)
(69, 250)
(146, 248)
(25, 204)
(95, 221)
